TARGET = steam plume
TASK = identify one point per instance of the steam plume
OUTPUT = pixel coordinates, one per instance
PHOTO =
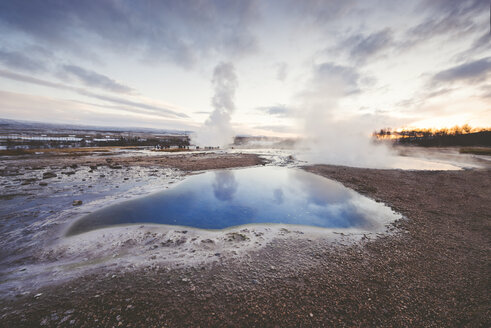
(330, 137)
(217, 129)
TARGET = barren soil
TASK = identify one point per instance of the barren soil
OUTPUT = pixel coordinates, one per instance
(98, 157)
(433, 270)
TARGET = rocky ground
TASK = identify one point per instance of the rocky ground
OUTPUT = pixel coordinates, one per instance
(117, 158)
(432, 270)
(40, 195)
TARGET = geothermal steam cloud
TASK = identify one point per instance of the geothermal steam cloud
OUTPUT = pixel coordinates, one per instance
(217, 129)
(331, 138)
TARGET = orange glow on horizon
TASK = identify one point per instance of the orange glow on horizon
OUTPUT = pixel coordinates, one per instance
(388, 133)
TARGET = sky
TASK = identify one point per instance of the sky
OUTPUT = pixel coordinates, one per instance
(154, 63)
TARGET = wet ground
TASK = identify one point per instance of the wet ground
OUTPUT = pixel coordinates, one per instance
(42, 195)
(429, 269)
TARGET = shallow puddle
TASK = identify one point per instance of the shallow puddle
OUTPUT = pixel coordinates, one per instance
(226, 198)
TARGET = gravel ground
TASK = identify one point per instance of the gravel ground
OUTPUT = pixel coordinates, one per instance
(189, 161)
(40, 194)
(432, 270)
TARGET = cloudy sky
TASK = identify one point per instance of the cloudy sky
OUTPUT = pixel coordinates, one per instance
(151, 63)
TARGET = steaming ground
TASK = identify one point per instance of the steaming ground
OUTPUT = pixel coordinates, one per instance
(403, 158)
(245, 276)
(36, 212)
(38, 191)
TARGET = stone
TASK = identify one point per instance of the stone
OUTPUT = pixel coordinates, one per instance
(48, 175)
(68, 173)
(28, 181)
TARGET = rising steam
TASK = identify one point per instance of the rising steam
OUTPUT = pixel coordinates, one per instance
(217, 129)
(329, 136)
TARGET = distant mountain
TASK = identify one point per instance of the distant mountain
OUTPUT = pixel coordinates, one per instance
(7, 125)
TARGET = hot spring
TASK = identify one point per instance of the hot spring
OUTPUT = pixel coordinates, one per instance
(262, 195)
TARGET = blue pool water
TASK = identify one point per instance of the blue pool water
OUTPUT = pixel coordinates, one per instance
(226, 198)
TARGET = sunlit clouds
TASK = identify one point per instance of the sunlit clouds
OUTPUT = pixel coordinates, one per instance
(125, 63)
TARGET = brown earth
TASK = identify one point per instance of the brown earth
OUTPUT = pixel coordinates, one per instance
(433, 270)
(186, 162)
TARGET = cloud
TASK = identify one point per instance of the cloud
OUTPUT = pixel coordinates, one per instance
(138, 106)
(15, 59)
(443, 84)
(480, 45)
(452, 18)
(33, 80)
(319, 11)
(94, 79)
(276, 110)
(486, 91)
(277, 128)
(329, 78)
(471, 72)
(289, 34)
(37, 108)
(35, 59)
(453, 7)
(362, 47)
(179, 31)
(282, 71)
(329, 84)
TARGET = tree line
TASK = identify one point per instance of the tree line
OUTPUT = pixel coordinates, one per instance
(464, 135)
